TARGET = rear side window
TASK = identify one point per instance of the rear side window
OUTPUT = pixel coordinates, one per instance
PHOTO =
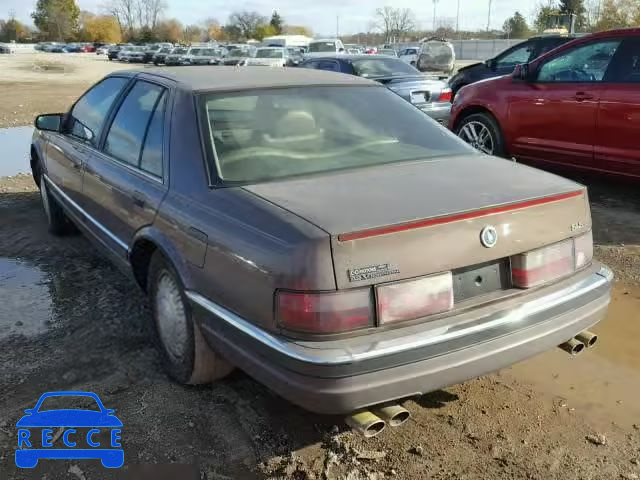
(151, 160)
(129, 128)
(625, 66)
(89, 113)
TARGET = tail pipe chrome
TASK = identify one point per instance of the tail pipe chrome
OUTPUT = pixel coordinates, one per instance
(394, 415)
(581, 341)
(366, 423)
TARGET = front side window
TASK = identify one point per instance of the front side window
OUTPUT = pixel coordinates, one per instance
(89, 113)
(276, 133)
(583, 64)
(322, 47)
(129, 127)
(515, 57)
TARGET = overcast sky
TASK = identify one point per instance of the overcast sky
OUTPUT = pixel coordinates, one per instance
(320, 15)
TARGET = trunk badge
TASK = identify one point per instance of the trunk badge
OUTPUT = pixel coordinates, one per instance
(489, 236)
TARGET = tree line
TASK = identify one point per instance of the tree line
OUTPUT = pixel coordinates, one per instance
(138, 21)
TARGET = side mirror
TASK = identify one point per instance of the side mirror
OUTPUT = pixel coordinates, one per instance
(29, 411)
(491, 63)
(50, 122)
(521, 72)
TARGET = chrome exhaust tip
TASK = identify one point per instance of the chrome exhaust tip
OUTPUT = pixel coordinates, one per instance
(588, 338)
(394, 415)
(573, 346)
(366, 423)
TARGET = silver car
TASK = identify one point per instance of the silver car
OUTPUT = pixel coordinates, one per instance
(205, 56)
(132, 54)
(177, 56)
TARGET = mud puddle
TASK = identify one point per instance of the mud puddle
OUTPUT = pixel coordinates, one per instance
(603, 383)
(14, 145)
(26, 306)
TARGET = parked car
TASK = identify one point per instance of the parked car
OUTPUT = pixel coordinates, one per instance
(436, 55)
(409, 55)
(326, 46)
(430, 95)
(177, 56)
(207, 56)
(114, 51)
(571, 108)
(151, 50)
(133, 54)
(103, 50)
(7, 48)
(160, 56)
(274, 57)
(236, 56)
(505, 62)
(88, 48)
(316, 195)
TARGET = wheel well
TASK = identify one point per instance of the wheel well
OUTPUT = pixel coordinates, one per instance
(469, 111)
(140, 258)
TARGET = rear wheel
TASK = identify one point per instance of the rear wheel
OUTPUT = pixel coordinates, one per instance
(186, 355)
(481, 131)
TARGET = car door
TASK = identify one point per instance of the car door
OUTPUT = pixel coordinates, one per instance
(552, 116)
(329, 65)
(617, 146)
(67, 151)
(125, 182)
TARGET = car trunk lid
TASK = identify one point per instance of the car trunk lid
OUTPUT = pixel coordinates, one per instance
(411, 219)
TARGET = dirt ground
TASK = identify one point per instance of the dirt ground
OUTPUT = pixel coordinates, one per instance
(70, 321)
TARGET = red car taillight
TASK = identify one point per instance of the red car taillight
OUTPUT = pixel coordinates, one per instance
(446, 95)
(550, 263)
(334, 312)
(414, 298)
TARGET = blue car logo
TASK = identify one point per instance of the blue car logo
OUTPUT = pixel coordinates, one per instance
(80, 427)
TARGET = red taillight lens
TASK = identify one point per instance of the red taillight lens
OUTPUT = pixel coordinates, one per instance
(541, 266)
(333, 312)
(446, 95)
(414, 298)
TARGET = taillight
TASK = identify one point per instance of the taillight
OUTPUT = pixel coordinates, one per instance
(583, 250)
(446, 95)
(414, 298)
(333, 312)
(550, 263)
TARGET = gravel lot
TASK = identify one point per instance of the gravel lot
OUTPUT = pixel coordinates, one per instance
(71, 321)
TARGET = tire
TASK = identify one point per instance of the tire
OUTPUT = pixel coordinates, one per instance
(481, 131)
(57, 221)
(186, 356)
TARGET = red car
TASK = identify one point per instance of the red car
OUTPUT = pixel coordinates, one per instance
(89, 48)
(577, 106)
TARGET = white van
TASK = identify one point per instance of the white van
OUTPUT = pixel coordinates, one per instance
(321, 47)
(287, 41)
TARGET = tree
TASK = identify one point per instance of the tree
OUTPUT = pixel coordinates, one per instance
(516, 26)
(57, 18)
(13, 30)
(394, 23)
(169, 30)
(618, 14)
(101, 28)
(246, 22)
(276, 22)
(192, 33)
(297, 30)
(575, 7)
(264, 31)
(136, 15)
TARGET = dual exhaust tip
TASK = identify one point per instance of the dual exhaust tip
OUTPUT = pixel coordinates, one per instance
(371, 423)
(580, 342)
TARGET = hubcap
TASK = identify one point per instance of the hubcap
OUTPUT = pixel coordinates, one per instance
(478, 136)
(45, 199)
(171, 317)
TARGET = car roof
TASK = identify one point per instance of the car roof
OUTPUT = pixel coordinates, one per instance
(221, 78)
(350, 56)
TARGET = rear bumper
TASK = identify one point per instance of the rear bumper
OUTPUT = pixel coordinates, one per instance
(338, 377)
(440, 112)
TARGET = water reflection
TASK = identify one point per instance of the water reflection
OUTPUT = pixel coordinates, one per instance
(14, 145)
(26, 307)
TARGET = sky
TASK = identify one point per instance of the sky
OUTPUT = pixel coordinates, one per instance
(353, 15)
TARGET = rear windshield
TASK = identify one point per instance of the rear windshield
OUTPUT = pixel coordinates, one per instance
(275, 133)
(236, 52)
(382, 67)
(268, 53)
(322, 47)
(208, 52)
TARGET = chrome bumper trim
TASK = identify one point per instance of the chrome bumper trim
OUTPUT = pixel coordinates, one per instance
(339, 356)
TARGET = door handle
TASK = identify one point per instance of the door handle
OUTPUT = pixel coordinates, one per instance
(138, 199)
(582, 96)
